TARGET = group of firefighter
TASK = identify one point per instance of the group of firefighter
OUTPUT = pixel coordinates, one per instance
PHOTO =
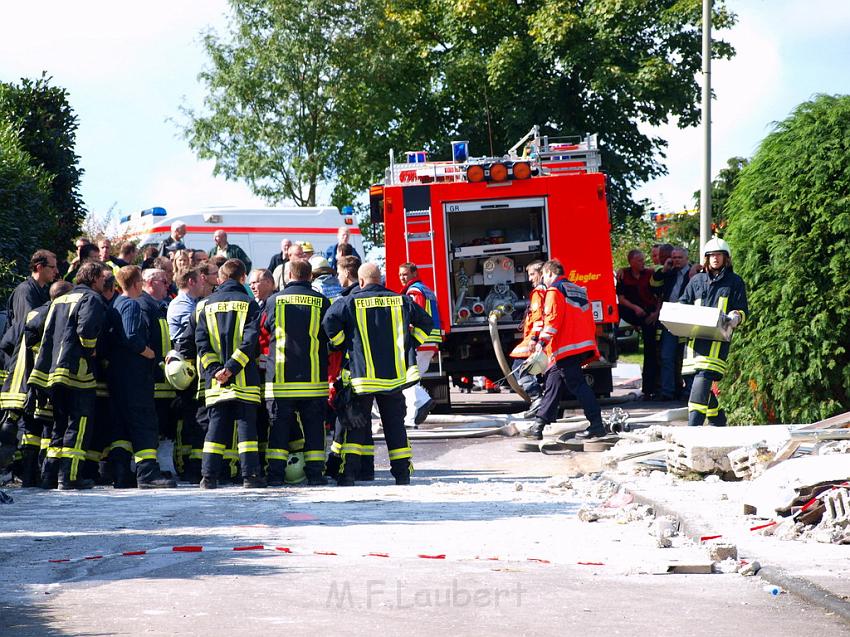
(110, 381)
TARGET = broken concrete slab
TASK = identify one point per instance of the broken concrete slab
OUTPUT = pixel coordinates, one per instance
(778, 486)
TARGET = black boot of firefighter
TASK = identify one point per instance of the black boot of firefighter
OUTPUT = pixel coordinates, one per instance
(29, 469)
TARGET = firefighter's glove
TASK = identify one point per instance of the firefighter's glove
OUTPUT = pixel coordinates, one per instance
(734, 319)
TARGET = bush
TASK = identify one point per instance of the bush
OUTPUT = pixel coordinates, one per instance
(789, 228)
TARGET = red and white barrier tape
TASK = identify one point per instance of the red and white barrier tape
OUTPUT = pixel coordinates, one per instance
(193, 548)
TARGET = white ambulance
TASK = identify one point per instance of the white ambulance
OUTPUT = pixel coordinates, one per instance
(258, 231)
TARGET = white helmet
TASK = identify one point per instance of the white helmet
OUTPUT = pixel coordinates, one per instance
(318, 262)
(294, 472)
(536, 363)
(179, 372)
(716, 244)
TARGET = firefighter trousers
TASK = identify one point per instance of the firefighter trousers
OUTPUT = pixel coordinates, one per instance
(367, 455)
(284, 417)
(223, 416)
(566, 376)
(703, 403)
(73, 416)
(392, 408)
(189, 436)
(136, 406)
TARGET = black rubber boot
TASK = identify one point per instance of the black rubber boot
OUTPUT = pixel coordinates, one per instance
(29, 470)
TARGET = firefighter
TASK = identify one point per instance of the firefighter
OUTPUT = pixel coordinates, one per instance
(717, 286)
(531, 326)
(131, 372)
(97, 455)
(418, 401)
(154, 306)
(379, 331)
(568, 337)
(297, 374)
(14, 396)
(346, 268)
(33, 292)
(63, 370)
(182, 320)
(227, 336)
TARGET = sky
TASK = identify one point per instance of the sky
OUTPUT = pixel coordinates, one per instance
(129, 67)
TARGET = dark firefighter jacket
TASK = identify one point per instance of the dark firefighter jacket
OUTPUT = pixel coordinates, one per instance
(227, 335)
(726, 290)
(297, 365)
(380, 331)
(160, 343)
(74, 322)
(25, 336)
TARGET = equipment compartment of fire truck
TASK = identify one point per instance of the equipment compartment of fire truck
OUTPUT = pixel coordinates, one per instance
(472, 225)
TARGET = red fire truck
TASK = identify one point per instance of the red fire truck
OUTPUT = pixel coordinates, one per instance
(471, 226)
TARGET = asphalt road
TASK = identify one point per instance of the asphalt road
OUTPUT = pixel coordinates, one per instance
(471, 501)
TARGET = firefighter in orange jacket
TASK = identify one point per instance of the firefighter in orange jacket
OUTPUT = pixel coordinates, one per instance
(532, 324)
(568, 338)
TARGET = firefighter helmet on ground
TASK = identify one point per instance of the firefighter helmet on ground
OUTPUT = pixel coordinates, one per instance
(294, 472)
(716, 244)
(179, 372)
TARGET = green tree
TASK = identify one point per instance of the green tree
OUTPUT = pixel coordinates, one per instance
(309, 90)
(24, 197)
(789, 228)
(632, 233)
(684, 229)
(46, 126)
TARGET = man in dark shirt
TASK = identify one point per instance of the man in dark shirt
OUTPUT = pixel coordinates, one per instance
(638, 305)
(33, 292)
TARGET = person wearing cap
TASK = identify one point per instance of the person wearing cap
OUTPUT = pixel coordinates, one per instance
(716, 286)
(342, 237)
(325, 281)
(228, 250)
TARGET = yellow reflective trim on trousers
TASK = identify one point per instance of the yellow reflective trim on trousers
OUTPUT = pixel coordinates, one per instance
(248, 446)
(399, 334)
(93, 456)
(338, 338)
(368, 450)
(277, 454)
(78, 447)
(279, 341)
(296, 445)
(697, 407)
(54, 452)
(314, 344)
(352, 448)
(314, 456)
(214, 447)
(400, 453)
(363, 328)
(31, 440)
(296, 390)
(144, 454)
(713, 412)
(197, 454)
(45, 443)
(336, 446)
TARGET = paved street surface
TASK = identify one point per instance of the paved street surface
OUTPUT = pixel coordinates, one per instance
(471, 501)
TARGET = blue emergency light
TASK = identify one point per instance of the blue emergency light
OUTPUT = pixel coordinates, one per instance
(156, 211)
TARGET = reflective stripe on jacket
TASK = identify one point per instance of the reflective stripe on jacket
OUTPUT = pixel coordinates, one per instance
(297, 364)
(74, 322)
(380, 331)
(427, 300)
(568, 327)
(532, 323)
(227, 336)
(727, 291)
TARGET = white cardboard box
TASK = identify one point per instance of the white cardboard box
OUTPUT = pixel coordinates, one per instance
(695, 321)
